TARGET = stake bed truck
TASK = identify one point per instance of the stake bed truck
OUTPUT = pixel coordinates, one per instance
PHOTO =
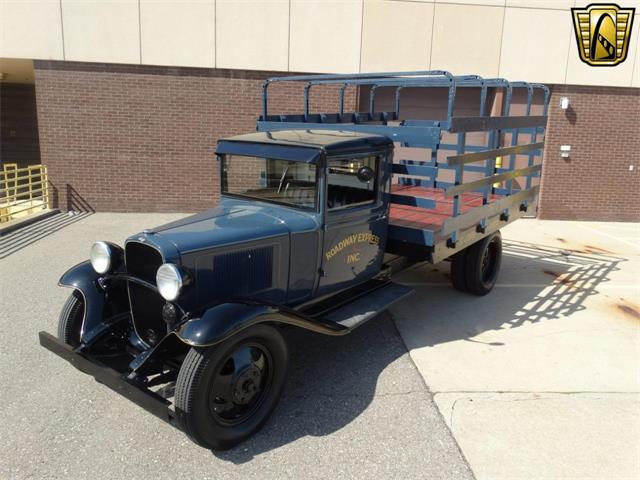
(315, 214)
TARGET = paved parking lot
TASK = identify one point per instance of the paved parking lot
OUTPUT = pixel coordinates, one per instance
(540, 379)
(354, 407)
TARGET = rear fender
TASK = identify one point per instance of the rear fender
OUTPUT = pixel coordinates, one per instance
(223, 321)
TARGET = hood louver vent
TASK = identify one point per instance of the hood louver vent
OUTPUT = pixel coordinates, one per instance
(243, 273)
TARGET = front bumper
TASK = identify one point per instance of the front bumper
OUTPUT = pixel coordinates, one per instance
(116, 381)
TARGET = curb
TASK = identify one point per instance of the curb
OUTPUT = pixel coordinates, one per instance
(23, 222)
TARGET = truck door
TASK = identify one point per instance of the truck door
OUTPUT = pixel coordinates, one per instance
(356, 219)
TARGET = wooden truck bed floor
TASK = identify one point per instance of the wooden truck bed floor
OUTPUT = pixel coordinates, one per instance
(433, 219)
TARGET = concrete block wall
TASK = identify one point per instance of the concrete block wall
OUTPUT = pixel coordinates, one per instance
(531, 40)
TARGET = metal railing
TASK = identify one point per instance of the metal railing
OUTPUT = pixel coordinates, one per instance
(23, 191)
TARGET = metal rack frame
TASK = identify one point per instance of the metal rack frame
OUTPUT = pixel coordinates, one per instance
(460, 229)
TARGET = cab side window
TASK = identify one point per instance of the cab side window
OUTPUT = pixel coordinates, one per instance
(351, 182)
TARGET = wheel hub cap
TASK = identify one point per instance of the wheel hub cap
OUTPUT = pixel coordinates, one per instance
(247, 385)
(240, 383)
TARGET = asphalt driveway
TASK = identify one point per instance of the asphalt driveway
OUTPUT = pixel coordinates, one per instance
(354, 407)
(539, 379)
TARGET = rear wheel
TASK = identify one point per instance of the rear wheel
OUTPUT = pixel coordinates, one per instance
(458, 270)
(225, 393)
(70, 320)
(475, 269)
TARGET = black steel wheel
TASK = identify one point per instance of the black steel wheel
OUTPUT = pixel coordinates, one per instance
(225, 393)
(482, 264)
(70, 319)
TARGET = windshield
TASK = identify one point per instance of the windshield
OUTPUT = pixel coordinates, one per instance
(271, 180)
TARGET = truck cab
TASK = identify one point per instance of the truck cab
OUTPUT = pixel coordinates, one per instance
(330, 188)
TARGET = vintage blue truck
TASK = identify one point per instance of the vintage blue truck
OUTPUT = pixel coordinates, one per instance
(315, 216)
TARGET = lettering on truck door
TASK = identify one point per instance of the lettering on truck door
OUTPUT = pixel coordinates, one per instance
(356, 222)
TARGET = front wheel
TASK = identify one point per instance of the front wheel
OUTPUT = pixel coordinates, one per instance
(226, 393)
(70, 320)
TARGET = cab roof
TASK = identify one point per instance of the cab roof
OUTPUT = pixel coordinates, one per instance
(301, 145)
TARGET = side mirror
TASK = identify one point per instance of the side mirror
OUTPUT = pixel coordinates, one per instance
(365, 174)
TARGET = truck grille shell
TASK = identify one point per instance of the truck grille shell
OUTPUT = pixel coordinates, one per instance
(142, 261)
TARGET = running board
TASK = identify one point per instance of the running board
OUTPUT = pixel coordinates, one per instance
(355, 313)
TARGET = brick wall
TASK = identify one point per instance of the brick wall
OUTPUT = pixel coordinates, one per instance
(137, 138)
(244, 175)
(602, 125)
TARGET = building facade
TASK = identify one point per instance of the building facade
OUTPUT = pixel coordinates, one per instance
(131, 95)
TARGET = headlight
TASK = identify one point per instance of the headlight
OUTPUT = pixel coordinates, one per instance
(101, 257)
(169, 281)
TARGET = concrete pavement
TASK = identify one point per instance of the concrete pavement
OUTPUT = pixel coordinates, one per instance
(354, 407)
(541, 378)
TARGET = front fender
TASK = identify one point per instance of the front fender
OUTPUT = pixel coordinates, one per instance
(84, 278)
(222, 321)
(98, 304)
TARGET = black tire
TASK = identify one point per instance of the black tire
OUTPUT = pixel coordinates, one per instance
(482, 264)
(70, 320)
(216, 415)
(458, 270)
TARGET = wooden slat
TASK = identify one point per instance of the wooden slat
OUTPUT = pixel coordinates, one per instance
(466, 187)
(468, 148)
(484, 124)
(469, 236)
(467, 168)
(412, 201)
(415, 170)
(498, 152)
(474, 216)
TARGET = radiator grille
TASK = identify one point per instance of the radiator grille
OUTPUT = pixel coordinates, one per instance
(243, 273)
(142, 261)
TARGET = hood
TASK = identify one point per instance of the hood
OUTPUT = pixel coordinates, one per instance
(233, 221)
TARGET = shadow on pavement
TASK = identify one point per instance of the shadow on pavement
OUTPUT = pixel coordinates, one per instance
(556, 283)
(23, 237)
(333, 380)
(575, 275)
